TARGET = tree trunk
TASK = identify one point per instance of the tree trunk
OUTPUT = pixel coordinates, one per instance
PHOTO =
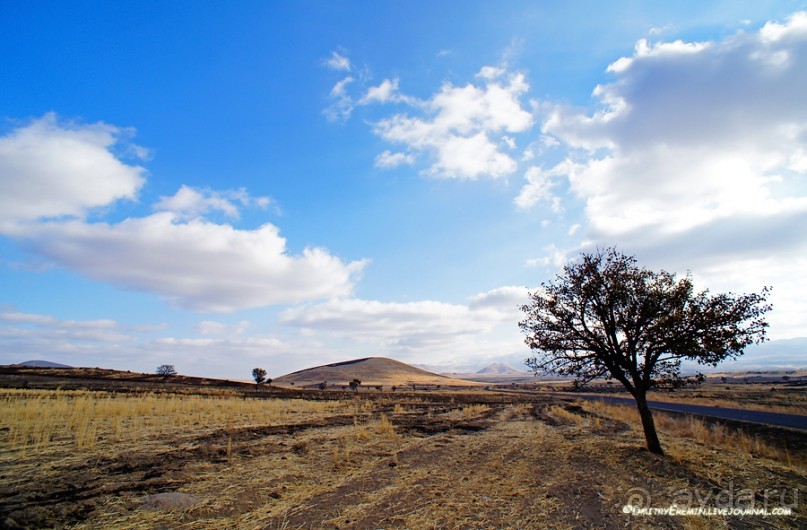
(650, 436)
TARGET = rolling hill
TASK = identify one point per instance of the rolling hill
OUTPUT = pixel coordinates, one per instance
(43, 364)
(371, 371)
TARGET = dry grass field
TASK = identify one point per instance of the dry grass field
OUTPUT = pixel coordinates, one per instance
(774, 397)
(87, 460)
(788, 397)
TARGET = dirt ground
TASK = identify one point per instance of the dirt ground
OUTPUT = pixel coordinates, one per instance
(402, 462)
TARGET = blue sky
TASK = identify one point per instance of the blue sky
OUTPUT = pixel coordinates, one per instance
(287, 184)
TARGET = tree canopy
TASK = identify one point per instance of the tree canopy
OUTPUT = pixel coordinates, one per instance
(259, 375)
(166, 370)
(605, 316)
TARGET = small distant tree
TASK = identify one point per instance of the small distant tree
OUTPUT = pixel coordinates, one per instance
(354, 385)
(259, 375)
(166, 370)
(323, 385)
(605, 316)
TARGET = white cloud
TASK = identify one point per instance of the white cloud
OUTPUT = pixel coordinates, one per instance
(211, 327)
(555, 257)
(471, 157)
(504, 300)
(795, 28)
(52, 173)
(419, 330)
(491, 72)
(539, 188)
(387, 92)
(53, 169)
(342, 106)
(388, 159)
(196, 264)
(338, 61)
(461, 128)
(189, 203)
(25, 324)
(696, 157)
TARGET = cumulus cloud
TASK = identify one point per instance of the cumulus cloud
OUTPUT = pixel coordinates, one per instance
(52, 169)
(29, 336)
(414, 328)
(16, 325)
(461, 128)
(189, 203)
(388, 159)
(505, 301)
(696, 154)
(195, 264)
(386, 92)
(539, 188)
(51, 173)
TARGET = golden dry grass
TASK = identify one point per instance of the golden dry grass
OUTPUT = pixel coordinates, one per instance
(773, 397)
(37, 420)
(524, 465)
(713, 434)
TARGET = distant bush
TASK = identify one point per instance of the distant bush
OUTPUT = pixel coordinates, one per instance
(166, 370)
(259, 375)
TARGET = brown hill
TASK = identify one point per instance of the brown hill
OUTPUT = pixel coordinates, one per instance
(371, 371)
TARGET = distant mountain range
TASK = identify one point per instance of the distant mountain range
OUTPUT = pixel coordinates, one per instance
(43, 364)
(500, 369)
(781, 354)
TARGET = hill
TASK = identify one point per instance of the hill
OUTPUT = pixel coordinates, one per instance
(371, 371)
(43, 364)
(48, 377)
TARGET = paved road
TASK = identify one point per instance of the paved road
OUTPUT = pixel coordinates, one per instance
(792, 421)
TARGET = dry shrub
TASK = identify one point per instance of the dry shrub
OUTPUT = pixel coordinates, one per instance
(564, 415)
(473, 411)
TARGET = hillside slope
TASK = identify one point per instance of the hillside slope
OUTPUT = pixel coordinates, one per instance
(371, 371)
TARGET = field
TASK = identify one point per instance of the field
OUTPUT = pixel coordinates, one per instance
(91, 459)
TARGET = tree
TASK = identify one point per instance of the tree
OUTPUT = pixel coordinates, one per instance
(166, 370)
(259, 375)
(323, 385)
(354, 385)
(605, 316)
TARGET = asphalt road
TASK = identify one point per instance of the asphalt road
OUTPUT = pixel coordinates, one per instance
(792, 421)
